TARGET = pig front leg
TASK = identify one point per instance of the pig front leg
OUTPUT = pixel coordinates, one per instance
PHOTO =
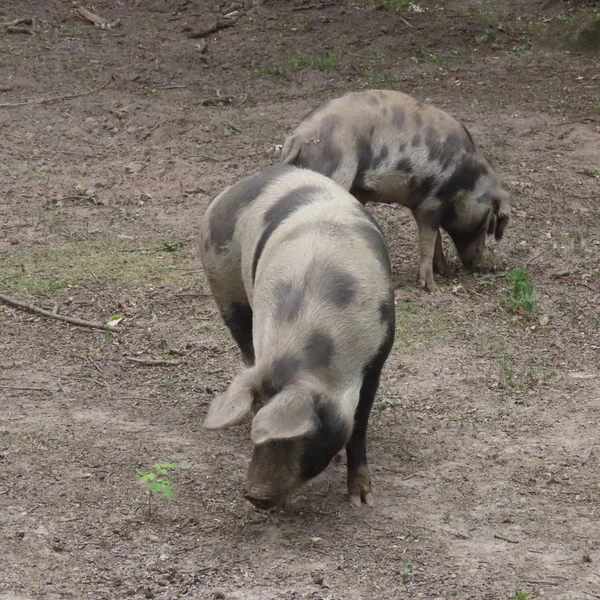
(359, 478)
(428, 227)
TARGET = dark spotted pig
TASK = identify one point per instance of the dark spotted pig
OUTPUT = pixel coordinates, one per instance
(301, 275)
(385, 146)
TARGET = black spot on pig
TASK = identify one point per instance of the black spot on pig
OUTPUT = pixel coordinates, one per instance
(463, 237)
(318, 350)
(398, 117)
(419, 189)
(417, 140)
(464, 177)
(419, 119)
(239, 321)
(375, 240)
(387, 310)
(453, 146)
(336, 287)
(278, 213)
(380, 157)
(284, 371)
(288, 300)
(323, 156)
(373, 99)
(231, 204)
(329, 437)
(404, 165)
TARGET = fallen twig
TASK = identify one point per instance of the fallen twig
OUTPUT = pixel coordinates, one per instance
(58, 98)
(505, 539)
(87, 15)
(406, 22)
(24, 21)
(591, 594)
(538, 255)
(151, 362)
(6, 88)
(210, 28)
(26, 389)
(19, 30)
(47, 313)
(213, 100)
(587, 456)
(96, 381)
(540, 582)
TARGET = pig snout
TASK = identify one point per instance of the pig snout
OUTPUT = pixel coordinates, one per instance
(260, 503)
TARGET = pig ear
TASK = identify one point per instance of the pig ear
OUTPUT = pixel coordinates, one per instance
(233, 405)
(290, 414)
(501, 213)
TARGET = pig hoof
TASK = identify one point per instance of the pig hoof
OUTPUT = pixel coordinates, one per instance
(426, 281)
(359, 498)
(428, 284)
(442, 269)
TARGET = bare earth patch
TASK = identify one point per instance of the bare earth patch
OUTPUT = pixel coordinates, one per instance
(484, 441)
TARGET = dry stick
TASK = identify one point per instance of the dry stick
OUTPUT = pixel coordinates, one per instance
(26, 389)
(47, 313)
(25, 21)
(538, 255)
(406, 22)
(540, 582)
(90, 16)
(210, 28)
(58, 98)
(150, 362)
(214, 100)
(19, 30)
(505, 539)
(96, 381)
(587, 457)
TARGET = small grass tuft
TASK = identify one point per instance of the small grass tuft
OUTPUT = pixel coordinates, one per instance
(520, 296)
(524, 47)
(157, 481)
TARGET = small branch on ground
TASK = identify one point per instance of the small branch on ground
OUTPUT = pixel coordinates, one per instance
(210, 28)
(214, 100)
(59, 98)
(6, 88)
(587, 456)
(97, 20)
(505, 539)
(88, 15)
(46, 313)
(95, 381)
(26, 389)
(151, 362)
(19, 30)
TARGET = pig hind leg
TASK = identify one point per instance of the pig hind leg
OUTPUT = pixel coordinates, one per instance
(439, 260)
(238, 318)
(359, 478)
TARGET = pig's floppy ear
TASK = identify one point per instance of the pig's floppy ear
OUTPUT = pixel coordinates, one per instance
(233, 405)
(501, 217)
(290, 414)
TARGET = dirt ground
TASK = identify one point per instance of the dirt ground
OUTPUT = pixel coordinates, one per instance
(484, 441)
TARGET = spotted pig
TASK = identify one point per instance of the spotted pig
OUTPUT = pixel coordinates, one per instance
(385, 146)
(301, 274)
